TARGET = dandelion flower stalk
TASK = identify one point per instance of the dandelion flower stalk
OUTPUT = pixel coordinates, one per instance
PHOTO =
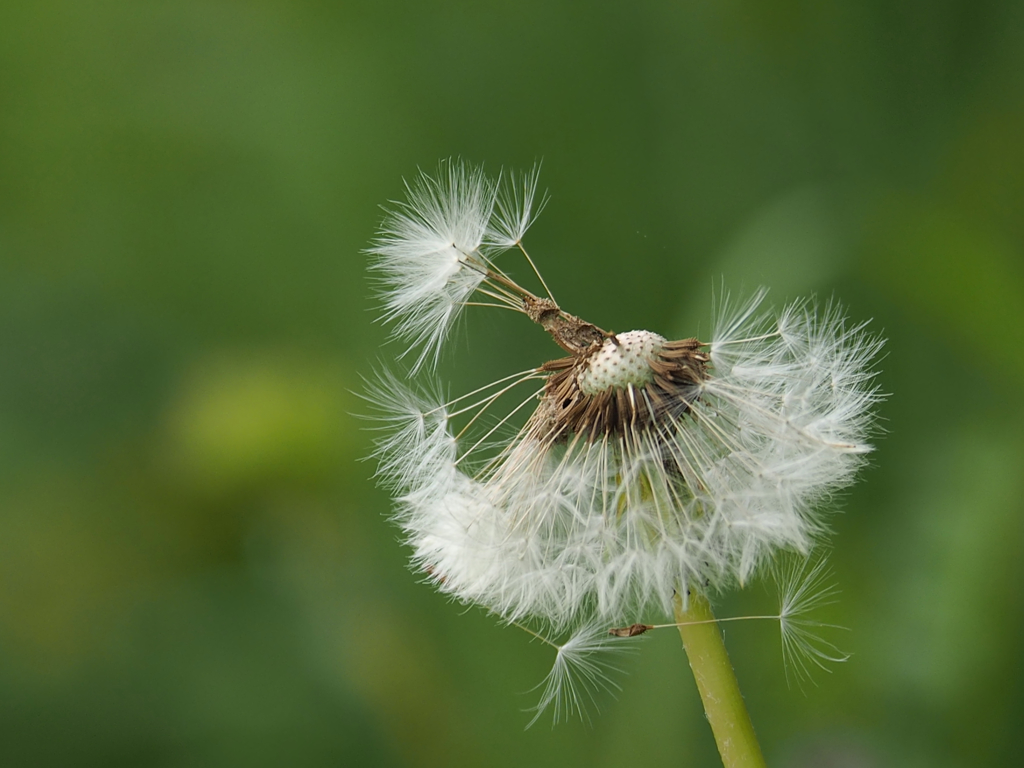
(719, 691)
(623, 473)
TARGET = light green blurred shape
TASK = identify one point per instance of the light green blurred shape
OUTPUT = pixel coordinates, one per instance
(248, 420)
(793, 244)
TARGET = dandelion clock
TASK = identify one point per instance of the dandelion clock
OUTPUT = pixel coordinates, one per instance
(630, 475)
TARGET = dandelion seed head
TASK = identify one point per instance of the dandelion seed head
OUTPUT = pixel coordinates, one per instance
(641, 465)
(645, 466)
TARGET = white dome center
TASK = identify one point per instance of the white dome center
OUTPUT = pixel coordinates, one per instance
(617, 365)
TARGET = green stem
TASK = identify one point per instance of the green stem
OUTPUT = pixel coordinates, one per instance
(716, 681)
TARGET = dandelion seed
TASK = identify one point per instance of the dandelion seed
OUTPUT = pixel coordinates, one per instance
(435, 250)
(515, 209)
(581, 671)
(633, 630)
(429, 254)
(804, 587)
(643, 465)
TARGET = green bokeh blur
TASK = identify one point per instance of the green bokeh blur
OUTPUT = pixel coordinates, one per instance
(195, 567)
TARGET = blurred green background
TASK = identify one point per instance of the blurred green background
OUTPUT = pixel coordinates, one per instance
(195, 568)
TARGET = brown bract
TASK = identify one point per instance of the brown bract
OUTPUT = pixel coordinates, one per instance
(678, 368)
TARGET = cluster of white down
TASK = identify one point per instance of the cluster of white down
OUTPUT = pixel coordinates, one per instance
(432, 249)
(614, 526)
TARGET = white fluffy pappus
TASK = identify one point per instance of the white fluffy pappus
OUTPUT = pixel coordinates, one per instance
(613, 524)
(644, 467)
(433, 251)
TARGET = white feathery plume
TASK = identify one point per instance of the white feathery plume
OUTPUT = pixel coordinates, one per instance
(804, 587)
(428, 253)
(434, 250)
(581, 671)
(515, 211)
(647, 466)
(414, 441)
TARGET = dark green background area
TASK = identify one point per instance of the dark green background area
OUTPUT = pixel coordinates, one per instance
(195, 568)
